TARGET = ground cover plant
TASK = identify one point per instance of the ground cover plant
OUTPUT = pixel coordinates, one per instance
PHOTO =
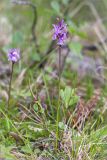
(53, 56)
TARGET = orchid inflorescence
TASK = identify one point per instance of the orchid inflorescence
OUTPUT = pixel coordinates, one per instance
(60, 32)
(14, 55)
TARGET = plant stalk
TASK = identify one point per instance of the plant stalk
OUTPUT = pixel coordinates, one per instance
(9, 91)
(58, 108)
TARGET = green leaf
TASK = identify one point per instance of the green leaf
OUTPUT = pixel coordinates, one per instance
(99, 134)
(61, 125)
(68, 96)
(6, 152)
(26, 149)
(35, 106)
(7, 124)
(62, 94)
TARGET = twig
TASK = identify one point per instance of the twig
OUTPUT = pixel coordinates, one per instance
(49, 50)
(66, 11)
(25, 2)
(42, 62)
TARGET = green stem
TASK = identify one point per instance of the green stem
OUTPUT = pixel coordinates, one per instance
(9, 91)
(49, 100)
(58, 108)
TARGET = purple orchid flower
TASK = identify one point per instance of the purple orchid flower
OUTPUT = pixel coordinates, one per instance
(14, 55)
(60, 32)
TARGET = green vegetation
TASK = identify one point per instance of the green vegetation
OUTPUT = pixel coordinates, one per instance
(57, 108)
